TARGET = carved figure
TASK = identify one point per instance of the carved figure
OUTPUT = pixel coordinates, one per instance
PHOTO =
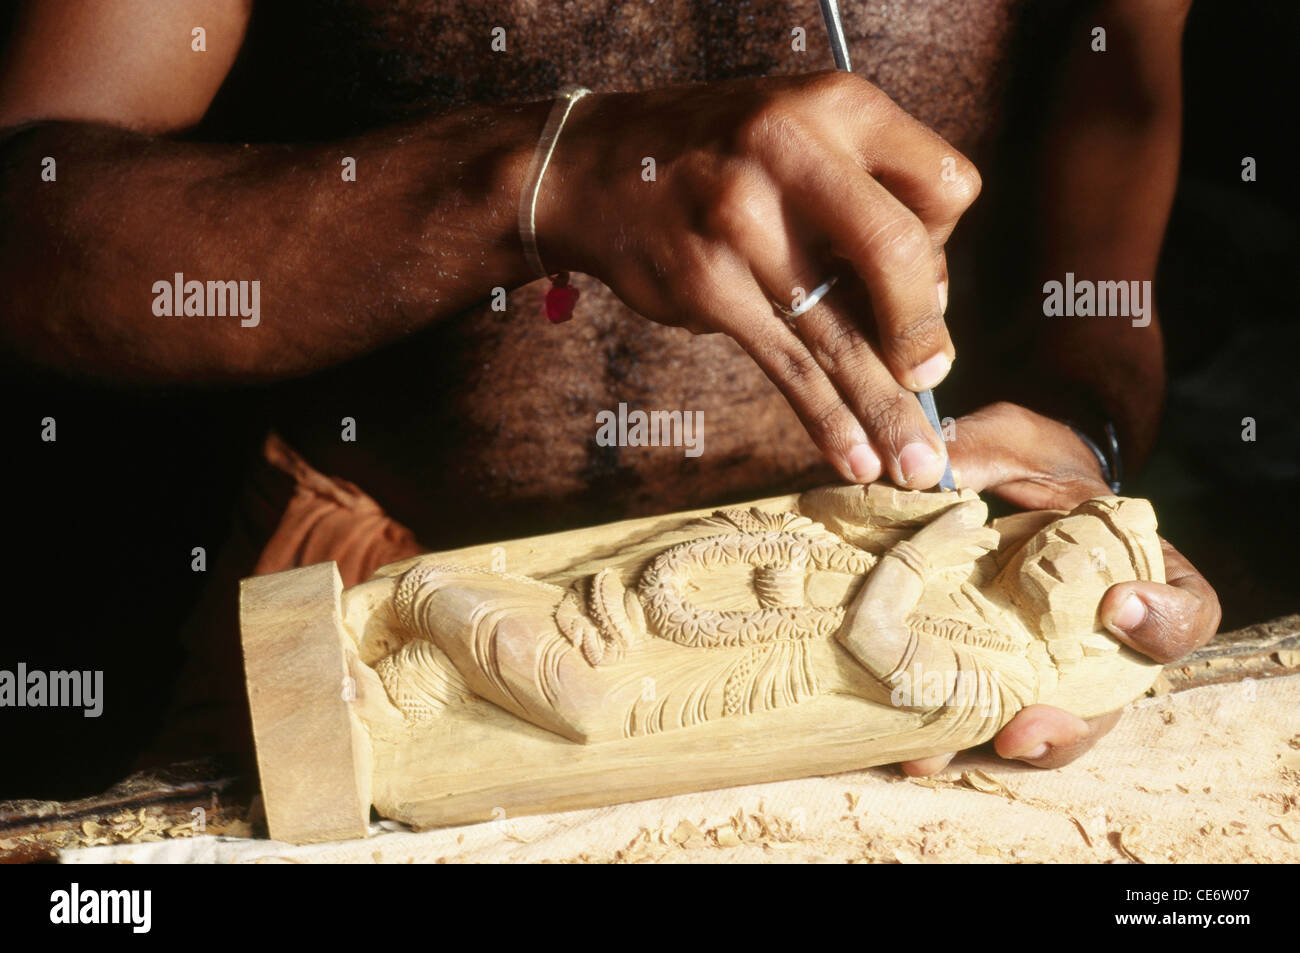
(843, 627)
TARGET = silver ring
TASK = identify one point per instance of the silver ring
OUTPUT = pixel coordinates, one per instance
(809, 302)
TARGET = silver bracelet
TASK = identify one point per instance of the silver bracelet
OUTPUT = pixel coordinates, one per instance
(541, 159)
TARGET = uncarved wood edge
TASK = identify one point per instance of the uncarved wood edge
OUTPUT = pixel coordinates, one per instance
(313, 753)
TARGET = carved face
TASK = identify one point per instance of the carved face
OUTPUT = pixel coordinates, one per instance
(1060, 575)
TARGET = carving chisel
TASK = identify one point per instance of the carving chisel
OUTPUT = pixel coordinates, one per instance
(840, 51)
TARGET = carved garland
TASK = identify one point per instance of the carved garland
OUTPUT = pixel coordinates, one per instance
(672, 617)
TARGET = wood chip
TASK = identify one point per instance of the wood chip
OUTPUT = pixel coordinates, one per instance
(1161, 686)
(1127, 842)
(928, 783)
(1281, 833)
(687, 835)
(985, 784)
(642, 847)
(727, 837)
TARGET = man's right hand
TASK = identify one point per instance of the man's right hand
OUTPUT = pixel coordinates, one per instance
(761, 191)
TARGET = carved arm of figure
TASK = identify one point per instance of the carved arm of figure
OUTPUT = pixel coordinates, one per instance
(875, 628)
(975, 652)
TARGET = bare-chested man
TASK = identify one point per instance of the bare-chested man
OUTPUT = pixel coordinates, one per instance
(209, 137)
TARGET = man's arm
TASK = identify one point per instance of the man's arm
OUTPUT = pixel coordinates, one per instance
(707, 207)
(1108, 178)
(427, 229)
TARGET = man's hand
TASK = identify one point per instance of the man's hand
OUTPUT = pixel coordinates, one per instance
(761, 191)
(1038, 463)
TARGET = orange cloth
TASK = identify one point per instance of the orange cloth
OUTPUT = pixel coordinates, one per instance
(290, 515)
(328, 518)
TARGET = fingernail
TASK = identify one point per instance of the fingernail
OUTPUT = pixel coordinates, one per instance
(917, 459)
(1033, 754)
(864, 463)
(930, 372)
(1131, 614)
(943, 296)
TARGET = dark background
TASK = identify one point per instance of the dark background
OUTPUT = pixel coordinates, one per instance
(102, 522)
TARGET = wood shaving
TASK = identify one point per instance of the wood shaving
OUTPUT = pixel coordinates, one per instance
(929, 783)
(687, 835)
(727, 837)
(1281, 833)
(1126, 841)
(985, 784)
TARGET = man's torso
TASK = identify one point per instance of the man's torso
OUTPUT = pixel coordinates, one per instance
(485, 425)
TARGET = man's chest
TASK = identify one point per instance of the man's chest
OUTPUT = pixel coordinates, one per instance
(365, 62)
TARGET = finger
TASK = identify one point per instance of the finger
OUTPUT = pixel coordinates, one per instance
(901, 440)
(732, 301)
(914, 162)
(943, 281)
(1048, 737)
(1163, 621)
(926, 766)
(892, 417)
(1031, 461)
(749, 215)
(923, 171)
(832, 329)
(891, 250)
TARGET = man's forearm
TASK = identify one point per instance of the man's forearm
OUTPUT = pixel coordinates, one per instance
(1108, 184)
(426, 230)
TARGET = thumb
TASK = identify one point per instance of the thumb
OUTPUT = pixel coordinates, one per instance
(1161, 621)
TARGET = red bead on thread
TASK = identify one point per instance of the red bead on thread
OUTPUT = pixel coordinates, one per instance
(560, 299)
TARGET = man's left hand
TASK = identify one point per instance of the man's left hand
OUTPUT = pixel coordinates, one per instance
(1038, 463)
